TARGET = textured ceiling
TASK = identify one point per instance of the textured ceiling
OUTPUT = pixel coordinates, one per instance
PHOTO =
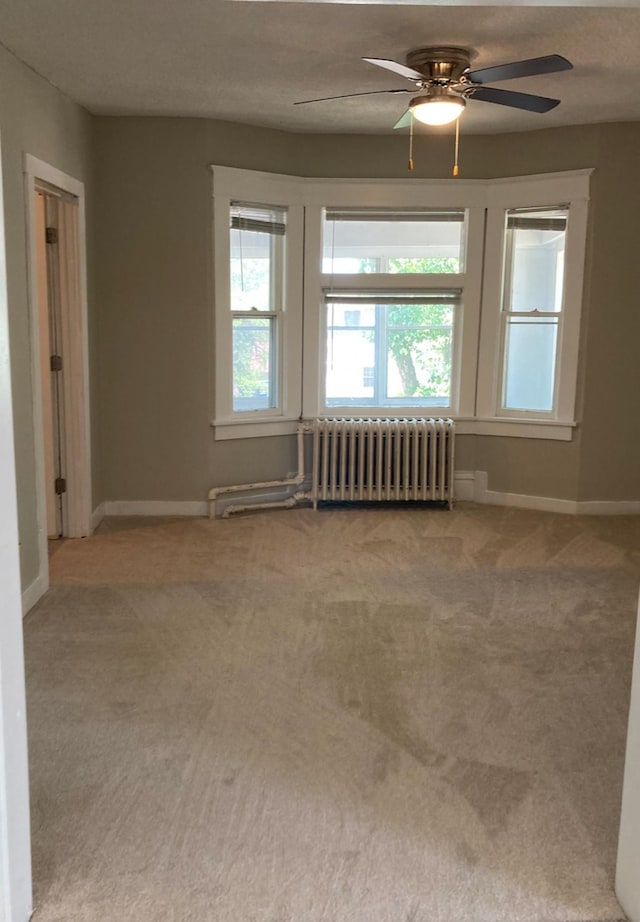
(248, 62)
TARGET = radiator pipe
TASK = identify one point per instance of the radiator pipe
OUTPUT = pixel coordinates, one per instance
(296, 481)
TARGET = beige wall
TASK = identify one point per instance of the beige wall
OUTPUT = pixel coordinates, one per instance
(154, 287)
(37, 119)
(154, 302)
(610, 456)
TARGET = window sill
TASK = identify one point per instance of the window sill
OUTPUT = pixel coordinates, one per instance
(513, 428)
(517, 428)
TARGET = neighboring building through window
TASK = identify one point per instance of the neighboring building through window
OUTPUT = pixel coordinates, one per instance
(399, 354)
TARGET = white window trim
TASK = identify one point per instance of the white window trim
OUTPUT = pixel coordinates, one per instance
(573, 190)
(399, 194)
(301, 363)
(231, 185)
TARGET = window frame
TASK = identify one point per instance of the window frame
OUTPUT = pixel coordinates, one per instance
(231, 186)
(552, 190)
(507, 315)
(381, 328)
(277, 262)
(394, 196)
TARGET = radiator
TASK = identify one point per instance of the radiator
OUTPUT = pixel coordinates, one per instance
(382, 460)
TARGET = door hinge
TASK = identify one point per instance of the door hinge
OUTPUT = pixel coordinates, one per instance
(56, 362)
(61, 485)
(51, 234)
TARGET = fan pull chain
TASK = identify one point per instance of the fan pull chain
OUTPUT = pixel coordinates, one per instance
(456, 168)
(410, 167)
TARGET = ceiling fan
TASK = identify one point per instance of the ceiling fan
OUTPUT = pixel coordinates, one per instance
(445, 83)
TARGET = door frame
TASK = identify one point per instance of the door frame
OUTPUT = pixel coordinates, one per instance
(15, 851)
(74, 333)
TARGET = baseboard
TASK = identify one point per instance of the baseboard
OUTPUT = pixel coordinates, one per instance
(156, 507)
(464, 485)
(33, 593)
(473, 486)
(609, 507)
(469, 486)
(97, 516)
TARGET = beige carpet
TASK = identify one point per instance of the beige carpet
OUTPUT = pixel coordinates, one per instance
(354, 715)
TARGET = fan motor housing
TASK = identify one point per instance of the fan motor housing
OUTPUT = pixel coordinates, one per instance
(440, 63)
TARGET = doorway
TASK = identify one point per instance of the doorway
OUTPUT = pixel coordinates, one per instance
(57, 284)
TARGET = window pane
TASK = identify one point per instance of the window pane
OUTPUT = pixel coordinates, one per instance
(419, 352)
(396, 354)
(530, 363)
(416, 242)
(350, 366)
(251, 287)
(257, 249)
(534, 272)
(252, 363)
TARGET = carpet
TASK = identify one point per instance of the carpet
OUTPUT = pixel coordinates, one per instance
(350, 715)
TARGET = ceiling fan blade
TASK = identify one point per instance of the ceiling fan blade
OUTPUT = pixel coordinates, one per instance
(401, 69)
(515, 100)
(303, 102)
(405, 121)
(549, 64)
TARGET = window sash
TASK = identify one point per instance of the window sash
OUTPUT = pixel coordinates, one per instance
(263, 219)
(545, 218)
(381, 251)
(380, 329)
(245, 402)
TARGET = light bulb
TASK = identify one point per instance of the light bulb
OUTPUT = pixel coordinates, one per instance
(438, 110)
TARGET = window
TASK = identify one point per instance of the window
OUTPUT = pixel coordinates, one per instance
(534, 245)
(393, 283)
(258, 230)
(257, 247)
(532, 298)
(386, 297)
(405, 242)
(399, 354)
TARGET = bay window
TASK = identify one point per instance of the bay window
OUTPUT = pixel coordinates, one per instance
(384, 298)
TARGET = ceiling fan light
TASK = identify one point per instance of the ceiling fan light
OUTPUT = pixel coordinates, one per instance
(438, 110)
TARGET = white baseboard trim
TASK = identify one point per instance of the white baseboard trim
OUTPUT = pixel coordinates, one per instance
(469, 486)
(97, 516)
(473, 486)
(156, 507)
(33, 593)
(465, 485)
(609, 507)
